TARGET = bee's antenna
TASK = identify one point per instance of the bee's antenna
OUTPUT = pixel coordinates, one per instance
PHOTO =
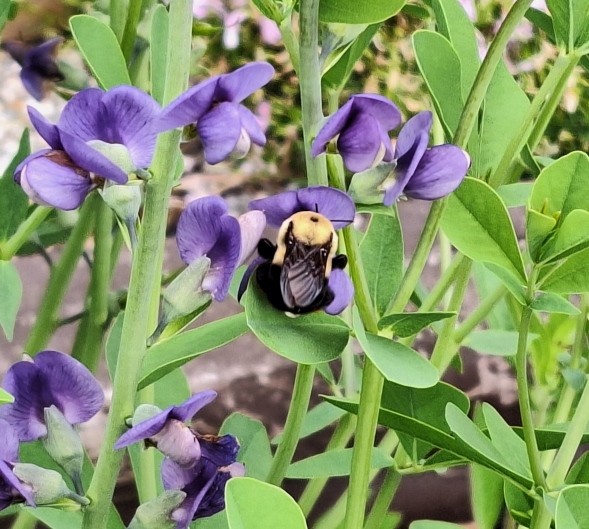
(316, 207)
(342, 220)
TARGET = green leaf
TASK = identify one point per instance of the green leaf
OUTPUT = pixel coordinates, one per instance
(253, 504)
(571, 237)
(4, 11)
(316, 419)
(11, 288)
(167, 355)
(337, 462)
(254, 450)
(7, 398)
(520, 505)
(425, 405)
(441, 72)
(487, 284)
(571, 508)
(515, 195)
(570, 277)
(477, 222)
(338, 74)
(538, 228)
(101, 50)
(549, 302)
(307, 339)
(397, 362)
(494, 342)
(381, 252)
(486, 496)
(579, 472)
(550, 437)
(351, 12)
(405, 324)
(158, 48)
(13, 202)
(570, 23)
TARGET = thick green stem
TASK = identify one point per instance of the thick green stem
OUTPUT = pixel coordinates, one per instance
(23, 233)
(542, 518)
(340, 438)
(310, 81)
(299, 404)
(290, 43)
(143, 276)
(383, 499)
(130, 31)
(60, 278)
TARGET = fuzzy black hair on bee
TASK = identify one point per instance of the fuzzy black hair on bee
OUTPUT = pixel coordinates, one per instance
(295, 276)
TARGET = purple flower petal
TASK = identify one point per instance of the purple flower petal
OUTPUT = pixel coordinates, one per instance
(360, 143)
(342, 287)
(189, 107)
(91, 160)
(200, 227)
(129, 116)
(334, 125)
(332, 203)
(237, 85)
(82, 116)
(224, 258)
(48, 131)
(219, 131)
(33, 82)
(8, 442)
(439, 172)
(188, 409)
(251, 225)
(250, 124)
(7, 475)
(381, 108)
(48, 181)
(143, 430)
(222, 451)
(277, 208)
(174, 476)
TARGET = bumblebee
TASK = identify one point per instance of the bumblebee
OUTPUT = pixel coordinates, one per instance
(295, 275)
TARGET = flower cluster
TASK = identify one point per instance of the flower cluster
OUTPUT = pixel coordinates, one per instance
(195, 464)
(360, 129)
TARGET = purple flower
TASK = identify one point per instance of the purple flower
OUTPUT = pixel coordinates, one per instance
(205, 229)
(361, 127)
(337, 207)
(166, 430)
(224, 125)
(426, 174)
(38, 64)
(204, 484)
(11, 488)
(51, 379)
(99, 134)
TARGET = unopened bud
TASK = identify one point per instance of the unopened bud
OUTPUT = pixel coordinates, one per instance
(367, 187)
(116, 153)
(156, 514)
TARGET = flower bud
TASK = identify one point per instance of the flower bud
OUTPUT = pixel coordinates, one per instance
(156, 514)
(125, 201)
(116, 153)
(63, 444)
(367, 187)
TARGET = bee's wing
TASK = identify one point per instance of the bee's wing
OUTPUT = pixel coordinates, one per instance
(302, 277)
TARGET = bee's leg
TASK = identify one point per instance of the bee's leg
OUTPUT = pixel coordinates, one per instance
(268, 277)
(339, 261)
(266, 249)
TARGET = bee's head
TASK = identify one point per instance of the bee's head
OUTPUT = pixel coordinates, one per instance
(310, 228)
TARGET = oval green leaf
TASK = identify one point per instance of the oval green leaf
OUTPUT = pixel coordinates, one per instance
(405, 324)
(570, 277)
(11, 288)
(571, 508)
(101, 50)
(307, 339)
(353, 12)
(253, 504)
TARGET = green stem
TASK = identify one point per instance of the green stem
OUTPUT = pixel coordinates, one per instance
(442, 286)
(118, 17)
(542, 518)
(130, 31)
(60, 278)
(290, 42)
(310, 81)
(303, 385)
(23, 233)
(340, 438)
(24, 520)
(523, 133)
(486, 72)
(383, 499)
(143, 275)
(445, 347)
(483, 309)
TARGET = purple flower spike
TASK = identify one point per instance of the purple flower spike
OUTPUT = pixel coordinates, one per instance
(52, 379)
(38, 65)
(422, 173)
(361, 127)
(223, 124)
(99, 134)
(205, 228)
(205, 483)
(332, 203)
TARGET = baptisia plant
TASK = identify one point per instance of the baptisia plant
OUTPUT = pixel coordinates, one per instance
(198, 465)
(99, 136)
(309, 268)
(213, 106)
